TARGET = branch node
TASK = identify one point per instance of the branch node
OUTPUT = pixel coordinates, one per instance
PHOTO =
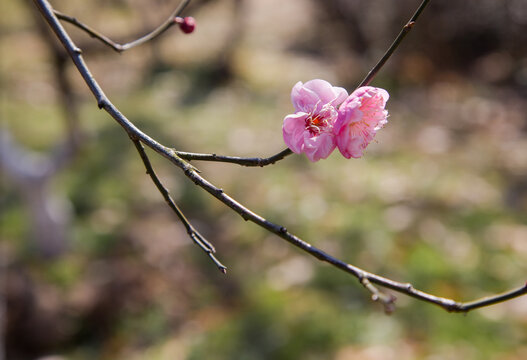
(452, 306)
(409, 25)
(102, 102)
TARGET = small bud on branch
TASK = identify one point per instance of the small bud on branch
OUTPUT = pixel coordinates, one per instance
(186, 24)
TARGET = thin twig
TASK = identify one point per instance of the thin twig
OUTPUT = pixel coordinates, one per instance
(206, 246)
(168, 23)
(234, 159)
(494, 299)
(405, 30)
(248, 215)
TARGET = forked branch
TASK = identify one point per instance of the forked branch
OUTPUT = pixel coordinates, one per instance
(167, 24)
(367, 279)
(198, 239)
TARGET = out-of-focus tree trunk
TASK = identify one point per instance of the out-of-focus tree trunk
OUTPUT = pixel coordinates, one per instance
(49, 212)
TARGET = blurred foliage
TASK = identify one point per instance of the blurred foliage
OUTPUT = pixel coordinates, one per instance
(439, 200)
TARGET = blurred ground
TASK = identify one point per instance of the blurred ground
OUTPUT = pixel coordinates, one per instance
(439, 200)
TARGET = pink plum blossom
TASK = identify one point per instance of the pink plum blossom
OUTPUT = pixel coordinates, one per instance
(360, 116)
(310, 129)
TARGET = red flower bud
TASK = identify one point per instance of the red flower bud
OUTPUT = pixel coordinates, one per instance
(186, 24)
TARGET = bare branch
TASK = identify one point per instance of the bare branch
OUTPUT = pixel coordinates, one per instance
(234, 159)
(490, 300)
(405, 30)
(366, 278)
(167, 24)
(206, 246)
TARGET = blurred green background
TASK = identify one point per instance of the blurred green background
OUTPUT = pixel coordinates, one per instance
(439, 199)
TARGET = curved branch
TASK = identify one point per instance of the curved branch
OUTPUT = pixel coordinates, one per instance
(366, 278)
(234, 159)
(167, 24)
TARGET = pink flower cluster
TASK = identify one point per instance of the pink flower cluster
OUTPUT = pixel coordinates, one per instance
(320, 124)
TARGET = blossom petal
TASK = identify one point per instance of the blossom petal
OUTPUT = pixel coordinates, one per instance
(348, 112)
(351, 147)
(370, 92)
(293, 130)
(327, 93)
(319, 147)
(373, 102)
(361, 115)
(303, 98)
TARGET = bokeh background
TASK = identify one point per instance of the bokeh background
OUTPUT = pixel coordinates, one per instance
(95, 266)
